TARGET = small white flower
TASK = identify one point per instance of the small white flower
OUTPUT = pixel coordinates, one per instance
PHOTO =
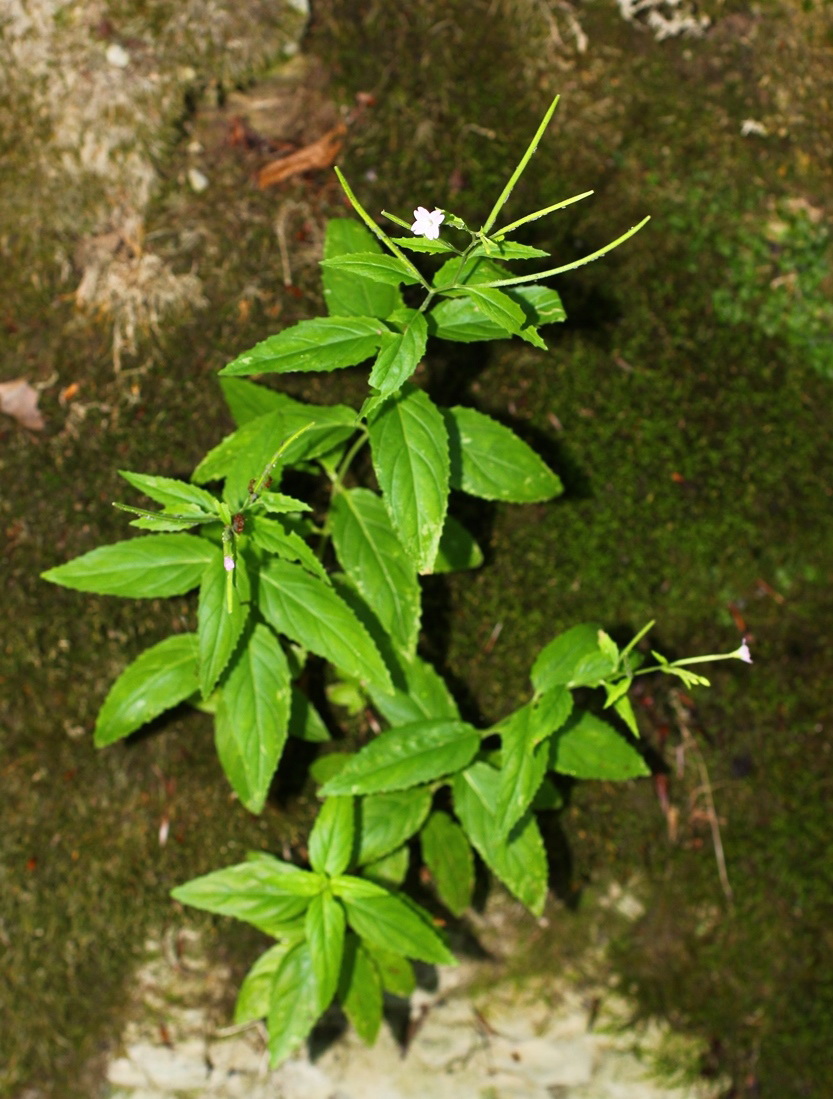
(427, 223)
(744, 654)
(228, 563)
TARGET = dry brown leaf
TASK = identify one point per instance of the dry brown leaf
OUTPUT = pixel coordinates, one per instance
(320, 154)
(20, 400)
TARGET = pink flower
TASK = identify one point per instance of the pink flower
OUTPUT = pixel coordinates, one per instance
(427, 223)
(744, 654)
(228, 563)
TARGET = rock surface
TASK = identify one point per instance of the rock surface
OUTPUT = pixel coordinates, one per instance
(480, 1033)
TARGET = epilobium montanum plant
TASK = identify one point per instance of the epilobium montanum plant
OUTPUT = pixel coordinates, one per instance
(279, 580)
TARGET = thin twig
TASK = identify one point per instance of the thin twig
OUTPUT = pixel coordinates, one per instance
(690, 744)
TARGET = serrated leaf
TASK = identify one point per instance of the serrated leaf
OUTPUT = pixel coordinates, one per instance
(150, 567)
(177, 496)
(293, 1006)
(323, 343)
(278, 503)
(256, 989)
(305, 722)
(457, 549)
(495, 305)
(407, 756)
(360, 990)
(247, 400)
(372, 556)
(389, 870)
(573, 659)
(332, 837)
(519, 860)
(490, 461)
(218, 630)
(424, 694)
(523, 763)
(310, 612)
(248, 450)
(348, 295)
(376, 266)
(395, 971)
(398, 359)
(624, 709)
(422, 244)
(325, 926)
(540, 304)
(461, 320)
(409, 445)
(507, 250)
(274, 537)
(161, 677)
(588, 747)
(265, 892)
(392, 923)
(386, 821)
(447, 854)
(252, 717)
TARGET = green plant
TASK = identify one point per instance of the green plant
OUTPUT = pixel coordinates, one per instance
(281, 581)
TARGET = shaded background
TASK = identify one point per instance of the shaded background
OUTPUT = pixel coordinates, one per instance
(685, 404)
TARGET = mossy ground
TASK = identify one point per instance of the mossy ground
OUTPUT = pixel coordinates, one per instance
(696, 457)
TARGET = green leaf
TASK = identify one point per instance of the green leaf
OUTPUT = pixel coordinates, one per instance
(495, 305)
(386, 821)
(424, 694)
(507, 250)
(332, 836)
(274, 537)
(252, 717)
(360, 990)
(461, 320)
(390, 922)
(324, 343)
(305, 722)
(540, 304)
(519, 860)
(588, 747)
(447, 854)
(573, 659)
(409, 445)
(391, 869)
(422, 244)
(406, 756)
(395, 971)
(150, 567)
(265, 892)
(161, 521)
(247, 400)
(278, 503)
(325, 926)
(624, 709)
(218, 630)
(160, 678)
(372, 556)
(375, 266)
(308, 611)
(348, 295)
(458, 549)
(177, 496)
(523, 764)
(397, 361)
(490, 461)
(293, 1006)
(256, 990)
(248, 450)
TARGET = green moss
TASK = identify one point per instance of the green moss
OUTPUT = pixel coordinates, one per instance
(695, 455)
